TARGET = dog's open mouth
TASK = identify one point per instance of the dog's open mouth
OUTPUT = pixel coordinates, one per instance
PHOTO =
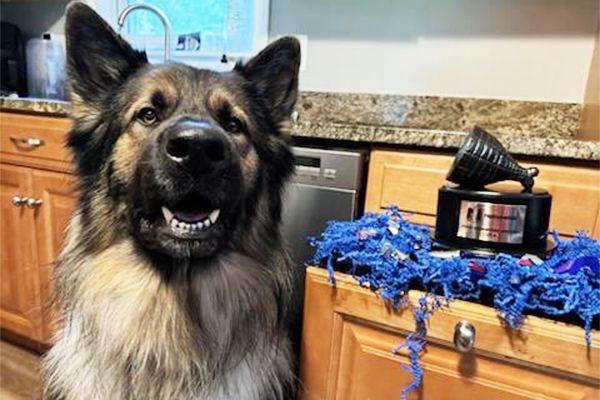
(190, 218)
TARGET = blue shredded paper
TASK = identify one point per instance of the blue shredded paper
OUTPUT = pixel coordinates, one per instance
(391, 255)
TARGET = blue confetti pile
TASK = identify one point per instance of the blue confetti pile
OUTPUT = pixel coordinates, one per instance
(391, 255)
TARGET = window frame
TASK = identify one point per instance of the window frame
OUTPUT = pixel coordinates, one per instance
(110, 9)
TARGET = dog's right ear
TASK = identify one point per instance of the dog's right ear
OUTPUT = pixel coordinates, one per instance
(98, 59)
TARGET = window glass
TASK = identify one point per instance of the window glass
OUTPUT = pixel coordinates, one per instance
(207, 26)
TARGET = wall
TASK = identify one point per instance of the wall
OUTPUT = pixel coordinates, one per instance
(508, 49)
(590, 117)
(35, 17)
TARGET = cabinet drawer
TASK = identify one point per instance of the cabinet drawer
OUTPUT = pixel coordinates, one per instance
(411, 181)
(34, 137)
(349, 334)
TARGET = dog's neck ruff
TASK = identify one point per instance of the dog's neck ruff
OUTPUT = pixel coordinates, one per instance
(128, 334)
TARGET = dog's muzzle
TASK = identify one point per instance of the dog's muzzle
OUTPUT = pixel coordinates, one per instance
(195, 158)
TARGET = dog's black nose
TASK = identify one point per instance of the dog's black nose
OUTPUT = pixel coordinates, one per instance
(198, 145)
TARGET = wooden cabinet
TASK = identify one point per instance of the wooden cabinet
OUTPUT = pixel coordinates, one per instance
(31, 230)
(349, 334)
(411, 181)
(19, 298)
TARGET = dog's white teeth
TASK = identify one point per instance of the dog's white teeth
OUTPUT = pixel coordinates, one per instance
(214, 215)
(182, 227)
(167, 214)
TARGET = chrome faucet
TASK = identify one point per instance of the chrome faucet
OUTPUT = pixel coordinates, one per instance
(163, 18)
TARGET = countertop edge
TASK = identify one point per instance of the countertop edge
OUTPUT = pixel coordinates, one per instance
(525, 146)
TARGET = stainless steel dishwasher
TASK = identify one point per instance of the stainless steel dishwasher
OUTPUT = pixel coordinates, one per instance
(327, 186)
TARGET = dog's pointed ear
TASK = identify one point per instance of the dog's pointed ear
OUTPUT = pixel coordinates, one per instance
(274, 72)
(98, 59)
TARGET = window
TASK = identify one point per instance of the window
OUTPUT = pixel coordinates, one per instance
(202, 30)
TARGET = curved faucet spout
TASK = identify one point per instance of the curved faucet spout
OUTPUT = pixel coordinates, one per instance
(161, 15)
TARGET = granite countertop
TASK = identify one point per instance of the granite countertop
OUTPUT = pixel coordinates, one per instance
(43, 106)
(525, 128)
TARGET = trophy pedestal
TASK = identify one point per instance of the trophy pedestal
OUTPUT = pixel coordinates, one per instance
(506, 221)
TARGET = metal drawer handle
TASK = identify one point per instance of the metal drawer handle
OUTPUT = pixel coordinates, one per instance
(19, 201)
(34, 203)
(464, 336)
(28, 142)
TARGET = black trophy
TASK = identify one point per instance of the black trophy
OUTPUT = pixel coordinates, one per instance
(482, 160)
(471, 216)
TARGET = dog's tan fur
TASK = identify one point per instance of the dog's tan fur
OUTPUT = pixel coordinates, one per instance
(128, 336)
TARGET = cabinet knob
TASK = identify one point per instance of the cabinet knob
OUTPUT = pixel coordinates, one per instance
(28, 142)
(464, 336)
(34, 203)
(18, 201)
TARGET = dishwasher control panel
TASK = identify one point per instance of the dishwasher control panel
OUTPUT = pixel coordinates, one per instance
(339, 169)
(308, 166)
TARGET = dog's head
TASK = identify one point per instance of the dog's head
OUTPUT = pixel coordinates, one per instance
(184, 160)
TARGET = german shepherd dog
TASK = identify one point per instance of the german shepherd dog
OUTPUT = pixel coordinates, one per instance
(174, 283)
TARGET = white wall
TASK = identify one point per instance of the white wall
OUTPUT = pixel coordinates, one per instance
(35, 17)
(512, 49)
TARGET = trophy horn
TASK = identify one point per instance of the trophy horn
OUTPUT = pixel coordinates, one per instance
(482, 160)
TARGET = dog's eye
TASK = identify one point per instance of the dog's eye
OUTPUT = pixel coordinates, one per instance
(233, 125)
(147, 116)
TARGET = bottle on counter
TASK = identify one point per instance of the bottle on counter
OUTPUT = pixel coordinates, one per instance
(45, 68)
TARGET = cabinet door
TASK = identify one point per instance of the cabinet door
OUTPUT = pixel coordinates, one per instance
(56, 192)
(19, 295)
(407, 179)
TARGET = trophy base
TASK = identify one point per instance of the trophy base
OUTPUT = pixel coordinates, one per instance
(488, 220)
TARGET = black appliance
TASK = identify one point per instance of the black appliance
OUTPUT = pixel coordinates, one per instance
(12, 61)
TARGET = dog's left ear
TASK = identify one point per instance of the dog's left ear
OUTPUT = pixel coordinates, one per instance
(98, 59)
(274, 72)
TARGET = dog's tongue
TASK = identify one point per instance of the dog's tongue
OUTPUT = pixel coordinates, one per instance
(185, 215)
(190, 216)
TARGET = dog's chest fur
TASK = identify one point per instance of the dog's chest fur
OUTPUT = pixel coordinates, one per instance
(129, 334)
